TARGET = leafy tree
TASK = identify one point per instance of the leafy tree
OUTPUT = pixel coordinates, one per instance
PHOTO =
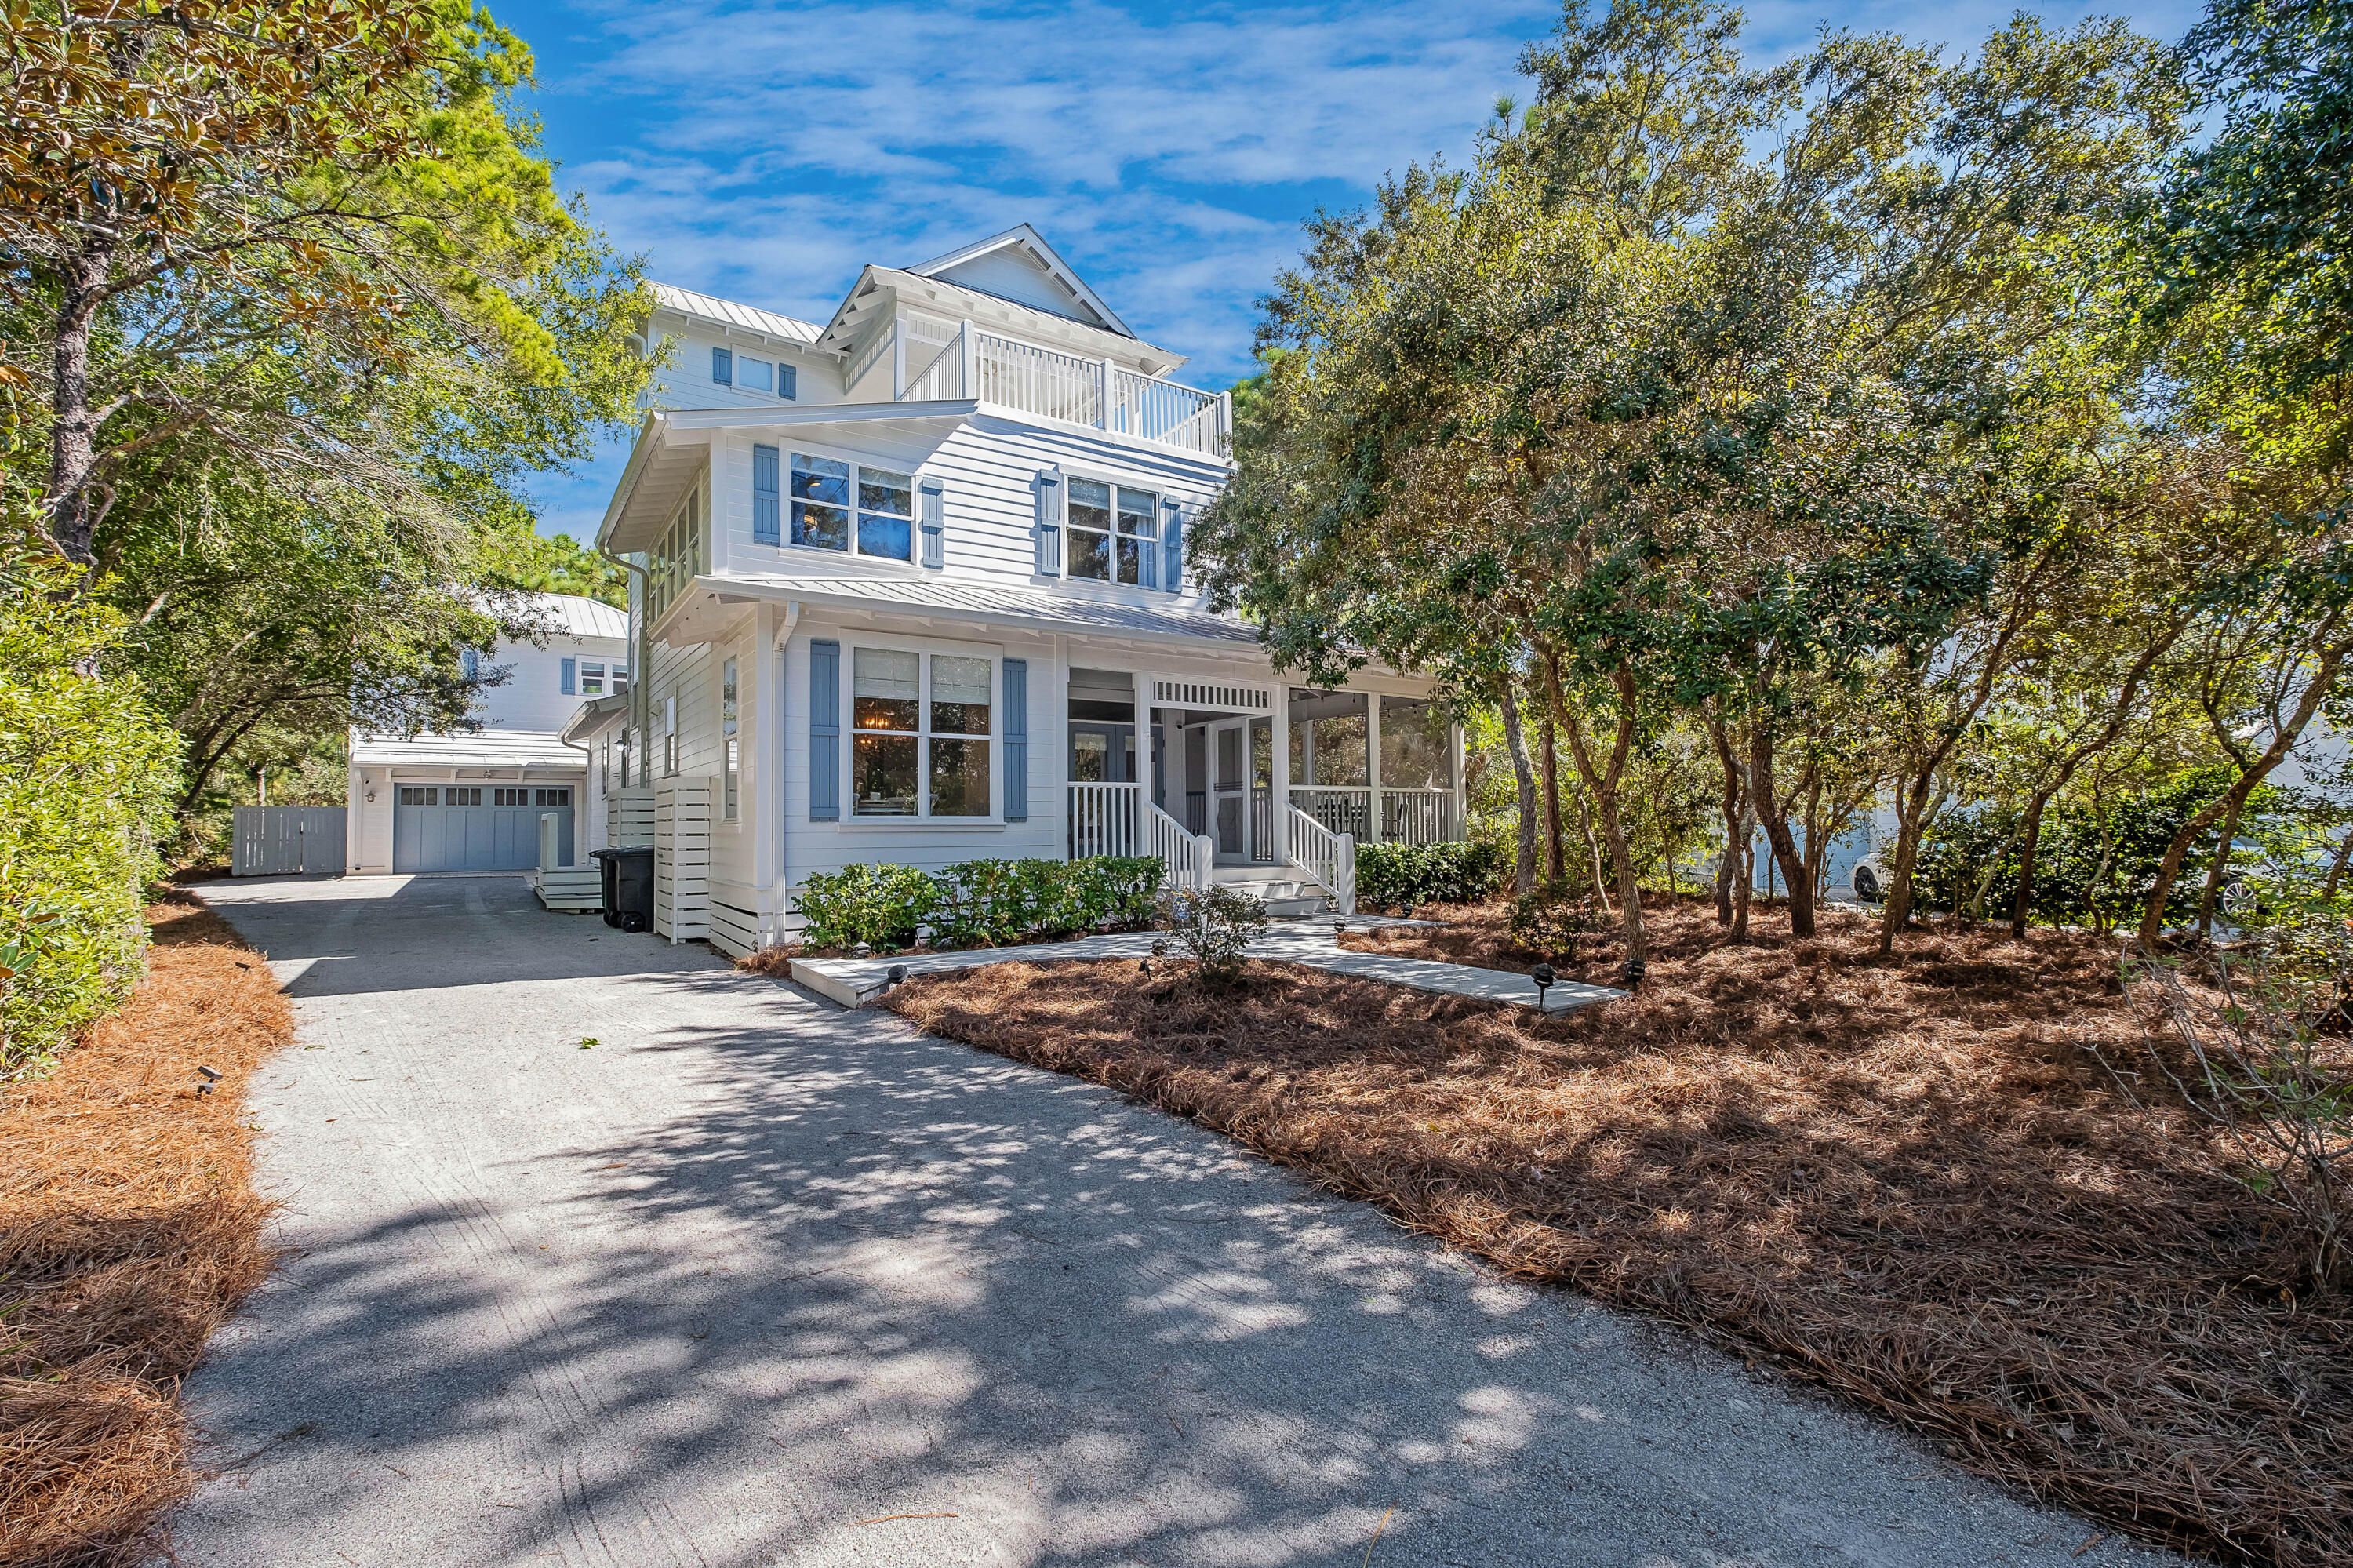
(303, 232)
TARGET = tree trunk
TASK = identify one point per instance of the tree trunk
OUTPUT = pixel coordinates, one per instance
(2283, 740)
(1911, 823)
(2336, 868)
(1734, 857)
(1556, 857)
(72, 511)
(1767, 804)
(2222, 863)
(1515, 741)
(2022, 897)
(1602, 783)
(1745, 892)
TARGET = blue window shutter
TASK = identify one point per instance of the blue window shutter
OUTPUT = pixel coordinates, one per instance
(1172, 546)
(1049, 523)
(788, 382)
(932, 510)
(825, 732)
(571, 670)
(723, 366)
(764, 495)
(1017, 740)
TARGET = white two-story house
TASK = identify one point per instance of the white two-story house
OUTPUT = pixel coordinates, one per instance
(471, 801)
(910, 585)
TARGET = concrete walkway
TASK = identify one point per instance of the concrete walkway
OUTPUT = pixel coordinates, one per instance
(855, 983)
(755, 1281)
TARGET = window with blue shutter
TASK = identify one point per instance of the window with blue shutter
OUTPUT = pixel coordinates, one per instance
(1017, 740)
(788, 382)
(932, 517)
(765, 495)
(1172, 546)
(825, 732)
(723, 366)
(571, 668)
(1049, 523)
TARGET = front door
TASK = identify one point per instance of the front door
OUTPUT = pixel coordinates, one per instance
(1229, 791)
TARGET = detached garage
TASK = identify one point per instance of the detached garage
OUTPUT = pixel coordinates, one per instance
(476, 827)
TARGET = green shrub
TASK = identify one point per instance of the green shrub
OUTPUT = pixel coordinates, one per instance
(87, 773)
(1552, 921)
(1399, 875)
(1122, 890)
(1215, 928)
(978, 903)
(880, 905)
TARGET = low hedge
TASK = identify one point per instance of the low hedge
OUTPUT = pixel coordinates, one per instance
(980, 903)
(1393, 876)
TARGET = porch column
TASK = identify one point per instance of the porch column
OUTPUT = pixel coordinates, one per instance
(1459, 829)
(1279, 811)
(1373, 763)
(1143, 734)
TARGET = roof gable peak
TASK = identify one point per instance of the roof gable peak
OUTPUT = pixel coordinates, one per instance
(982, 264)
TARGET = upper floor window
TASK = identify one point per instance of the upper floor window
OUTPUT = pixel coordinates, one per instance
(728, 735)
(1114, 532)
(745, 374)
(884, 509)
(723, 366)
(595, 673)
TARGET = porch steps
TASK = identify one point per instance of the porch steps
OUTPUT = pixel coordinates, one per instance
(1287, 892)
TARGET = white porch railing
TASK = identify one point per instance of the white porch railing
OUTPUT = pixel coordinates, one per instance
(1187, 855)
(1418, 817)
(1106, 819)
(1117, 819)
(934, 362)
(1329, 857)
(1403, 815)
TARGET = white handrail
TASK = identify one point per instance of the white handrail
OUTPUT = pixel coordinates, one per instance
(1186, 854)
(1330, 856)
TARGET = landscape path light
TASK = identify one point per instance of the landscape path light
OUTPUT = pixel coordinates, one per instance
(1544, 976)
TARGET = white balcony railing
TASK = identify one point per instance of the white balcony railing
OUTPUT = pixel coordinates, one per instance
(1403, 816)
(1117, 819)
(935, 362)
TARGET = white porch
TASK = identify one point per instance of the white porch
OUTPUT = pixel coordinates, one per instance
(1201, 782)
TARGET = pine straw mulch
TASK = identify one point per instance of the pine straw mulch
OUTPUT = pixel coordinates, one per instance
(129, 1228)
(1905, 1180)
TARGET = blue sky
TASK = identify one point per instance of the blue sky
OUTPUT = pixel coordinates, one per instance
(764, 152)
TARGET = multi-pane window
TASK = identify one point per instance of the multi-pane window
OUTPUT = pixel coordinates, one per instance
(1113, 533)
(559, 796)
(592, 677)
(727, 734)
(922, 725)
(828, 494)
(510, 796)
(677, 558)
(470, 795)
(419, 795)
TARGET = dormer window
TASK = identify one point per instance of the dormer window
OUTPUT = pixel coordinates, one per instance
(1114, 533)
(755, 375)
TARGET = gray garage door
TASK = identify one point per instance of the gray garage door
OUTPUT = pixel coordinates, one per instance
(476, 827)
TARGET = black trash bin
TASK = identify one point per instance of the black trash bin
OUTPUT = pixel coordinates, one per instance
(629, 886)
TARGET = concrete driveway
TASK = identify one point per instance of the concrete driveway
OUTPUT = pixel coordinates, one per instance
(754, 1281)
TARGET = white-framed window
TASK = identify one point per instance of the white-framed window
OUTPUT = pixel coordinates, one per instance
(727, 737)
(754, 374)
(419, 795)
(1114, 530)
(921, 728)
(469, 664)
(620, 674)
(591, 678)
(670, 737)
(853, 507)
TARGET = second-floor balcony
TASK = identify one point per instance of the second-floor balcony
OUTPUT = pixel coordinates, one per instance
(939, 360)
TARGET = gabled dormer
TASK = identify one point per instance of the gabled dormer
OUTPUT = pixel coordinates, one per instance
(1019, 267)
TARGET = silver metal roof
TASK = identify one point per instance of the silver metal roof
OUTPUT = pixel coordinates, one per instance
(728, 313)
(1037, 607)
